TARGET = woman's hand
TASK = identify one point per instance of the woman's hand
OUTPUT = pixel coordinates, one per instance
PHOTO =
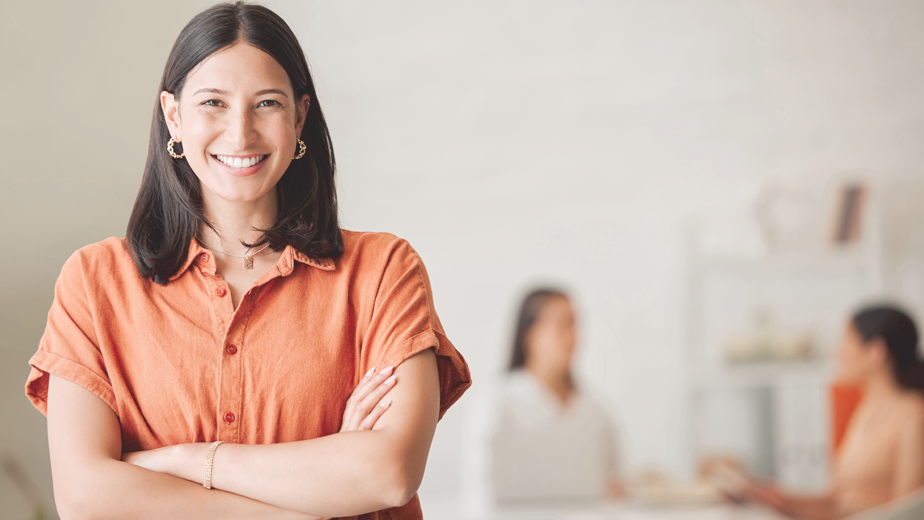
(368, 403)
(767, 495)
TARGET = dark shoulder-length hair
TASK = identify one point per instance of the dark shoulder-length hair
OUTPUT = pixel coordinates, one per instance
(532, 305)
(168, 209)
(897, 330)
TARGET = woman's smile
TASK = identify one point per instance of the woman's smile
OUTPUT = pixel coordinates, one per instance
(241, 165)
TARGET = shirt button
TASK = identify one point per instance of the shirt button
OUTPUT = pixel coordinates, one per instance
(204, 257)
(219, 292)
(229, 417)
(231, 349)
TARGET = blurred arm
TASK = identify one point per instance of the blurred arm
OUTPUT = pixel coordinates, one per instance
(805, 507)
(811, 507)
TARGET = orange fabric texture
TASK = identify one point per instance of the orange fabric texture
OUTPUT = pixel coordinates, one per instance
(179, 364)
(844, 401)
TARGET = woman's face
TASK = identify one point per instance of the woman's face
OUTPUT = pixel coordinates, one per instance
(857, 358)
(238, 122)
(551, 340)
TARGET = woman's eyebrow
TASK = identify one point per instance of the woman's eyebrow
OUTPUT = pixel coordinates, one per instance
(225, 92)
(210, 90)
(273, 91)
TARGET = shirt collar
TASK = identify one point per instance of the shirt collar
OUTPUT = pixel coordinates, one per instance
(285, 265)
(289, 256)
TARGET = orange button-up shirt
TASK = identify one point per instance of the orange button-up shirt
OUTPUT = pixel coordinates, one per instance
(179, 364)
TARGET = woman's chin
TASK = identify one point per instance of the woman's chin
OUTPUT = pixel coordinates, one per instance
(846, 377)
(236, 196)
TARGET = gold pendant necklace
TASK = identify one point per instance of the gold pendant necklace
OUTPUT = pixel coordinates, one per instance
(248, 257)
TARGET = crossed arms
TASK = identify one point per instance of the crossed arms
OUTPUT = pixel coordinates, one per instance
(345, 474)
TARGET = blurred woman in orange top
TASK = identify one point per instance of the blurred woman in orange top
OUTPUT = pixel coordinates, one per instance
(882, 454)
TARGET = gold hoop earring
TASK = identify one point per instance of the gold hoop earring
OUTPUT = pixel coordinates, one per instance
(173, 154)
(301, 149)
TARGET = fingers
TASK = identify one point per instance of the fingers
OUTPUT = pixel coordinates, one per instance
(369, 409)
(366, 377)
(368, 393)
(369, 383)
(374, 415)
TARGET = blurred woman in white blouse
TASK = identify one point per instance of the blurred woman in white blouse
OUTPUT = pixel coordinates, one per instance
(551, 440)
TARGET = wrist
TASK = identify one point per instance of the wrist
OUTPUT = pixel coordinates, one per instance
(187, 461)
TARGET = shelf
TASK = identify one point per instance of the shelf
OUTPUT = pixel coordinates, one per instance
(824, 260)
(758, 374)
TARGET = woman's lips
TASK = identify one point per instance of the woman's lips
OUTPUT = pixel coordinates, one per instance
(243, 171)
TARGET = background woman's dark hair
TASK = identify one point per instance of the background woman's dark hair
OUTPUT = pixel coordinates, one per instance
(168, 209)
(900, 336)
(529, 312)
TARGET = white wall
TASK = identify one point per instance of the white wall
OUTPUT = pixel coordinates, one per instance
(509, 141)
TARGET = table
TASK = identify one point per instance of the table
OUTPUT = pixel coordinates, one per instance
(451, 509)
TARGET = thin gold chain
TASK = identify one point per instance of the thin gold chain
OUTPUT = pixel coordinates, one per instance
(245, 255)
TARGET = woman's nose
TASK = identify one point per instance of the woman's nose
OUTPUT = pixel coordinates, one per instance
(240, 132)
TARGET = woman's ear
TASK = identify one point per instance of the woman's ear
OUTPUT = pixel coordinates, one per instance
(301, 113)
(878, 351)
(171, 109)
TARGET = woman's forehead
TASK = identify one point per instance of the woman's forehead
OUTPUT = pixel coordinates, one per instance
(558, 304)
(238, 69)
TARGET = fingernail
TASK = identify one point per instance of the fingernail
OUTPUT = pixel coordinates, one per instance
(370, 372)
(386, 370)
(391, 380)
(386, 403)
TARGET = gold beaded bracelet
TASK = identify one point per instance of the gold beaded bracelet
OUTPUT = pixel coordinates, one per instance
(209, 458)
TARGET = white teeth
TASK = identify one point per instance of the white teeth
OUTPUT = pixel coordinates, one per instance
(238, 162)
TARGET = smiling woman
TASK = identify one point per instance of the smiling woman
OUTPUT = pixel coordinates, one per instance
(239, 135)
(236, 85)
(239, 139)
(182, 382)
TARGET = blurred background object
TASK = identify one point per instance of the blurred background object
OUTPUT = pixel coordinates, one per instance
(681, 166)
(764, 342)
(27, 489)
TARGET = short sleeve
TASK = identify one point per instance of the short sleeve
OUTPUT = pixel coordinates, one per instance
(69, 347)
(404, 323)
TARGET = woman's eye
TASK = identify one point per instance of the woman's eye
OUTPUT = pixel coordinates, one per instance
(211, 103)
(269, 103)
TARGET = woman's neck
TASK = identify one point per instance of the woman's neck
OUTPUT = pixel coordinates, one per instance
(557, 380)
(235, 222)
(881, 386)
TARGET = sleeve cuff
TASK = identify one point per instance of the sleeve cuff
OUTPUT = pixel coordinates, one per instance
(44, 363)
(454, 374)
